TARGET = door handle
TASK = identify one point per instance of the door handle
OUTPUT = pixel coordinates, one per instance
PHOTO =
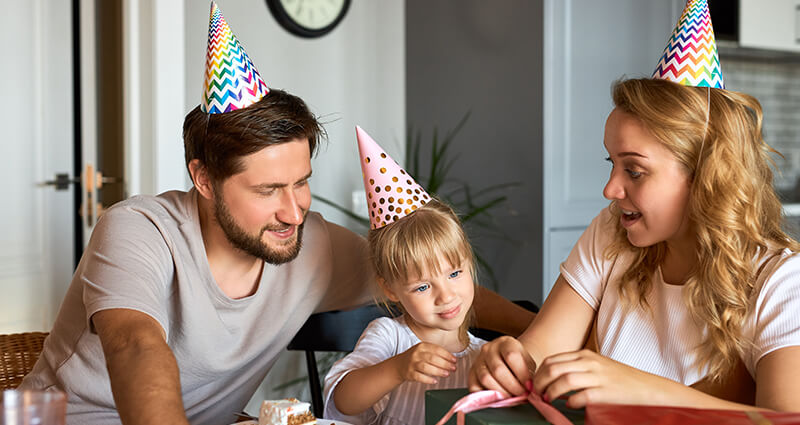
(91, 182)
(61, 181)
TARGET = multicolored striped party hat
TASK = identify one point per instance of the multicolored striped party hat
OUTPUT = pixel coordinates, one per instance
(690, 57)
(391, 193)
(232, 81)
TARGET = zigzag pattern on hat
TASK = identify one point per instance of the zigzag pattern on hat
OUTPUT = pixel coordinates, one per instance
(231, 80)
(690, 57)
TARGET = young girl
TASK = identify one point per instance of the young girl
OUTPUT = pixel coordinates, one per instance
(425, 268)
(686, 282)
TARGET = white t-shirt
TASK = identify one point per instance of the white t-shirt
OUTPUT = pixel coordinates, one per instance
(385, 338)
(147, 254)
(664, 342)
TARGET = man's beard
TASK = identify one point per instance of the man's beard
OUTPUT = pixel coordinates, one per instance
(252, 244)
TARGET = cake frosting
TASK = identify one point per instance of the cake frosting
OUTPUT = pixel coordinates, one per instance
(290, 411)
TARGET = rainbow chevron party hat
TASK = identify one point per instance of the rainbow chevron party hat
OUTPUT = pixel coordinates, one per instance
(232, 81)
(690, 57)
(391, 193)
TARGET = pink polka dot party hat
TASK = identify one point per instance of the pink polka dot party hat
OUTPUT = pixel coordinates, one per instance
(391, 192)
(690, 57)
(231, 80)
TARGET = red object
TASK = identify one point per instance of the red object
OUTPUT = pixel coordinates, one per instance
(614, 414)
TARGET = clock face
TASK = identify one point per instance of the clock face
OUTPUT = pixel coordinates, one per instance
(308, 18)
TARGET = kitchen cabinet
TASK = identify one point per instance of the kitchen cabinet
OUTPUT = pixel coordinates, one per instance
(770, 24)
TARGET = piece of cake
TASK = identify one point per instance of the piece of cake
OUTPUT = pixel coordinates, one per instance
(290, 411)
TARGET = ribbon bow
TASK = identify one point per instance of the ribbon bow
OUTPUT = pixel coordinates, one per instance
(492, 399)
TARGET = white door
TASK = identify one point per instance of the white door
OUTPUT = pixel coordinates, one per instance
(36, 115)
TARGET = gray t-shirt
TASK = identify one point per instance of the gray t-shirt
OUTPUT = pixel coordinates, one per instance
(147, 254)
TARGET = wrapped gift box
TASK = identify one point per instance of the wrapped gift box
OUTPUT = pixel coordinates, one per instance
(439, 402)
(666, 415)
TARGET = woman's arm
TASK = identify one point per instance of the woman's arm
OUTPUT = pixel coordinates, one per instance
(494, 312)
(778, 380)
(563, 324)
(362, 388)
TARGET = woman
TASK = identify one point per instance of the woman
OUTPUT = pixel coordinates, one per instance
(686, 283)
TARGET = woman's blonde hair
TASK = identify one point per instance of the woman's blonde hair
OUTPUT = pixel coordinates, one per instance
(733, 208)
(415, 244)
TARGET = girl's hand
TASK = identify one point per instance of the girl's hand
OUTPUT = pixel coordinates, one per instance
(598, 379)
(425, 362)
(503, 365)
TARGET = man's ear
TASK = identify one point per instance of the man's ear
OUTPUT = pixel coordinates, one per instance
(387, 290)
(201, 179)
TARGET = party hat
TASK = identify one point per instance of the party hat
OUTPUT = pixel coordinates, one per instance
(391, 193)
(690, 57)
(232, 81)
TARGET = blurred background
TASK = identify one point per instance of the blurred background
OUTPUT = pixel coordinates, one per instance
(95, 91)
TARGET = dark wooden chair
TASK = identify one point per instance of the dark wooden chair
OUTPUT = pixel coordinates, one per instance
(338, 331)
(18, 354)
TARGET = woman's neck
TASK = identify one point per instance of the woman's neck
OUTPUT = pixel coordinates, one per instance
(679, 263)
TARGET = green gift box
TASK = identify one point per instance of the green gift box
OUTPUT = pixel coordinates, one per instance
(439, 402)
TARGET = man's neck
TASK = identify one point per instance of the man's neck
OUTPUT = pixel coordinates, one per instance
(235, 272)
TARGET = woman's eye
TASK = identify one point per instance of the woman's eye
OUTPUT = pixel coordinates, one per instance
(634, 174)
(422, 288)
(455, 274)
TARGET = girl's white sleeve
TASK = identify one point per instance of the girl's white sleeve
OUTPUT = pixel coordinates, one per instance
(378, 343)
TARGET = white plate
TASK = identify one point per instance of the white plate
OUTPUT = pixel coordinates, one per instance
(319, 422)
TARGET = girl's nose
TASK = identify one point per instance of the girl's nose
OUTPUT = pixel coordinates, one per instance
(445, 294)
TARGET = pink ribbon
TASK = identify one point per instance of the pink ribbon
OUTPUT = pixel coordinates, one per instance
(492, 399)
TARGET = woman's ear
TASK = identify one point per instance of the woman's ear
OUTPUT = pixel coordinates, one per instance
(201, 179)
(387, 290)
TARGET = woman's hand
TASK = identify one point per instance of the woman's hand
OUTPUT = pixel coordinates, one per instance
(425, 362)
(598, 379)
(503, 365)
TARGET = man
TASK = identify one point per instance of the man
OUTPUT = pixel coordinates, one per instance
(183, 301)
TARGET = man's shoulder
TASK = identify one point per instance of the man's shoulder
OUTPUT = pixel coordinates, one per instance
(173, 204)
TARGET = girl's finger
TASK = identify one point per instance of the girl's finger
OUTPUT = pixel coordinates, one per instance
(431, 369)
(441, 352)
(423, 378)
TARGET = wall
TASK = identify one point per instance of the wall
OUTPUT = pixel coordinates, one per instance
(353, 75)
(486, 58)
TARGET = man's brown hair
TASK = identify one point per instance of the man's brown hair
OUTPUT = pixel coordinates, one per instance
(220, 141)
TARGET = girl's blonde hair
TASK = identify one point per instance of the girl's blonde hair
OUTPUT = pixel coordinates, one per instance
(414, 245)
(733, 208)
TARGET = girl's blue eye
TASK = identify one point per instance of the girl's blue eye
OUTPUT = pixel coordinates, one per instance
(422, 288)
(455, 274)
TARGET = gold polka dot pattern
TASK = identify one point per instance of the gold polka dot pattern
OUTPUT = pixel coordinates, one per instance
(389, 188)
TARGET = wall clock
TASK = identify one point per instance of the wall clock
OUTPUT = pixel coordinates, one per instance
(308, 18)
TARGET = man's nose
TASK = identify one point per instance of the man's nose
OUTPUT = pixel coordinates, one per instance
(290, 211)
